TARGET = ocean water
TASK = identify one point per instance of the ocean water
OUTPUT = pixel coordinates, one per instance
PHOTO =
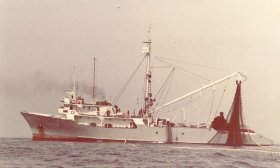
(22, 152)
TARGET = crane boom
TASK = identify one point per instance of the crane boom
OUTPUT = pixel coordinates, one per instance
(200, 89)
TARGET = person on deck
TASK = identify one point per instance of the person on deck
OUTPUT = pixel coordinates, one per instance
(127, 114)
(219, 122)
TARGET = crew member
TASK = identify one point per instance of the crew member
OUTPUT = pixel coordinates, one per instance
(219, 122)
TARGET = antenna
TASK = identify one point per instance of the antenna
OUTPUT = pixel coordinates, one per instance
(74, 79)
(93, 81)
(149, 31)
(74, 83)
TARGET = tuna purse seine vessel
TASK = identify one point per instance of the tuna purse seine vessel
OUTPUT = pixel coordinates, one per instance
(103, 121)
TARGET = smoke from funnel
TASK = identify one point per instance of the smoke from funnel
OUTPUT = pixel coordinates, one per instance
(85, 89)
(37, 82)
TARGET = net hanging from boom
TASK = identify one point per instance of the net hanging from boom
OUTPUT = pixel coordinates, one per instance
(234, 132)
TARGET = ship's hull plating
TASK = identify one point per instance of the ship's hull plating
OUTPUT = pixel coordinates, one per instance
(50, 128)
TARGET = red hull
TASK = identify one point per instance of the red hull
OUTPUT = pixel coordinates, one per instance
(44, 137)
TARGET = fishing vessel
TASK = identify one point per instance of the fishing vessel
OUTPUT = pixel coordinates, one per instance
(103, 121)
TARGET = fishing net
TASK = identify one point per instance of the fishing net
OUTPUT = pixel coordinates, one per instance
(234, 132)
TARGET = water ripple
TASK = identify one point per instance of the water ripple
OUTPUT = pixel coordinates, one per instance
(26, 153)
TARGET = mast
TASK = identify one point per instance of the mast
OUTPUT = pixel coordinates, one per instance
(93, 81)
(148, 101)
(148, 81)
(74, 84)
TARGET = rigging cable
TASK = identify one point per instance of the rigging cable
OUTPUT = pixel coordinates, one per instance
(164, 85)
(143, 95)
(220, 101)
(183, 69)
(163, 101)
(199, 65)
(127, 82)
(212, 102)
(196, 106)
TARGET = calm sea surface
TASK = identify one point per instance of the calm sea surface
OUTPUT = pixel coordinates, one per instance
(22, 152)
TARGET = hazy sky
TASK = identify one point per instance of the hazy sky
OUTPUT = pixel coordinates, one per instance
(40, 42)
